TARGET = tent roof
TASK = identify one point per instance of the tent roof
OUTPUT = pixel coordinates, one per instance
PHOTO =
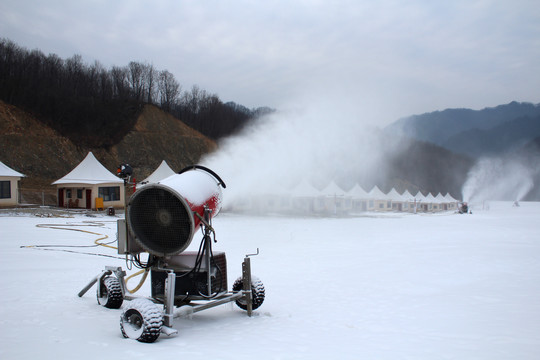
(420, 196)
(449, 198)
(89, 171)
(332, 190)
(7, 171)
(394, 195)
(407, 196)
(377, 194)
(358, 192)
(441, 199)
(305, 189)
(163, 171)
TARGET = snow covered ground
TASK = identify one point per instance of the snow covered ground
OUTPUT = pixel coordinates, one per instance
(380, 286)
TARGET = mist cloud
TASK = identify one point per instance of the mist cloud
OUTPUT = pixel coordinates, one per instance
(316, 143)
(498, 179)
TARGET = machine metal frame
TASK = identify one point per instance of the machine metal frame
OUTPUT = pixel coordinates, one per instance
(170, 311)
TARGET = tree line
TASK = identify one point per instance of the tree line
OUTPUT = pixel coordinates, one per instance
(95, 106)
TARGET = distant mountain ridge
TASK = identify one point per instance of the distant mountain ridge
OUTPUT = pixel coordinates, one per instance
(474, 132)
(508, 136)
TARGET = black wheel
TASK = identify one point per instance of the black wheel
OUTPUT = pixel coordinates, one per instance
(110, 293)
(257, 293)
(141, 320)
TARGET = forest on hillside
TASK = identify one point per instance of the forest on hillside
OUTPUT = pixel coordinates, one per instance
(95, 106)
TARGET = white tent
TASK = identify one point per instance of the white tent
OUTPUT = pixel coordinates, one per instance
(359, 198)
(398, 203)
(376, 193)
(409, 203)
(357, 192)
(452, 203)
(378, 200)
(431, 202)
(90, 185)
(394, 195)
(407, 196)
(162, 171)
(305, 197)
(420, 202)
(335, 199)
(441, 202)
(9, 185)
(305, 189)
(332, 189)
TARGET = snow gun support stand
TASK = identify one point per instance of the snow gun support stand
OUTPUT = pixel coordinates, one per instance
(182, 283)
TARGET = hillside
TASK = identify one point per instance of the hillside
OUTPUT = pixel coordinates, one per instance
(422, 166)
(446, 128)
(43, 155)
(96, 107)
(505, 137)
(503, 140)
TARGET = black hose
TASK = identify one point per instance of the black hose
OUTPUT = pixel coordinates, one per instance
(211, 172)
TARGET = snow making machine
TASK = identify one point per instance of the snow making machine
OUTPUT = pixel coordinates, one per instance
(161, 220)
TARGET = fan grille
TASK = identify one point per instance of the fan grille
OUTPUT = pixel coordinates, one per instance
(160, 221)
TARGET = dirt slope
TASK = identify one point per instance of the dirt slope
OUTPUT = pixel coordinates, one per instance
(43, 155)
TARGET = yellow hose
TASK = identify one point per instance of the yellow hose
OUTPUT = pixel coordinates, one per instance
(67, 227)
(97, 242)
(140, 282)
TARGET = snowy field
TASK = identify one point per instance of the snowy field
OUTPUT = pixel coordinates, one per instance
(380, 286)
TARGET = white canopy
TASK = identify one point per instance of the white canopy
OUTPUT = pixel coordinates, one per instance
(357, 192)
(305, 189)
(377, 194)
(163, 171)
(89, 171)
(394, 195)
(419, 196)
(333, 190)
(430, 198)
(407, 196)
(7, 171)
(440, 198)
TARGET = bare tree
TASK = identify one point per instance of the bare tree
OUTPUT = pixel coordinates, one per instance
(169, 90)
(150, 75)
(136, 79)
(120, 82)
(97, 106)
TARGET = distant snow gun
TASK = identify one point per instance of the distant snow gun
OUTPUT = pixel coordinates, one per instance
(464, 208)
(161, 221)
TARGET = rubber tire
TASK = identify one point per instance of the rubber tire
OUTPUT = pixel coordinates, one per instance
(257, 293)
(141, 320)
(111, 293)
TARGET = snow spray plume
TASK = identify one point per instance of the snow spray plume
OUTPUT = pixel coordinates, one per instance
(497, 179)
(284, 148)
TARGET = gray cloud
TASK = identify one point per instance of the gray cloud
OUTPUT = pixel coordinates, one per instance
(392, 58)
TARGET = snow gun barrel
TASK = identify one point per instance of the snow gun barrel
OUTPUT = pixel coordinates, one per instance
(163, 217)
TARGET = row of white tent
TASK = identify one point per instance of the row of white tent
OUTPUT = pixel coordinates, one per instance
(305, 198)
(90, 181)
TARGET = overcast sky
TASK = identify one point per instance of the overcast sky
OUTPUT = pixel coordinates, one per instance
(384, 59)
